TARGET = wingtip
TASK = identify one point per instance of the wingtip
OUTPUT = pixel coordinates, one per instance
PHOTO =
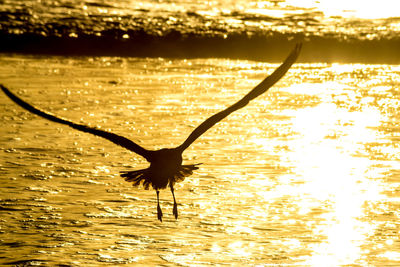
(6, 90)
(297, 48)
(295, 53)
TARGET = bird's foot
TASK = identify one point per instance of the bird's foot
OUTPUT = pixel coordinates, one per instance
(175, 211)
(159, 213)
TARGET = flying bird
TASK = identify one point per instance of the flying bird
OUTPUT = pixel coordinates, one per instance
(166, 166)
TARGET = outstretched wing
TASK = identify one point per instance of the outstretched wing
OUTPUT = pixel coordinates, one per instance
(258, 90)
(116, 139)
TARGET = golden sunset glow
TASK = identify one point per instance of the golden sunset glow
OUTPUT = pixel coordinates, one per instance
(307, 173)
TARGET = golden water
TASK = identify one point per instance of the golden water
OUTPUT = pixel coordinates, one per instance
(307, 174)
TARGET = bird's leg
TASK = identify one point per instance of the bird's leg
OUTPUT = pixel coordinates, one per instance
(159, 211)
(175, 210)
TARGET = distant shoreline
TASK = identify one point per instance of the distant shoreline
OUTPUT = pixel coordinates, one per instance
(270, 47)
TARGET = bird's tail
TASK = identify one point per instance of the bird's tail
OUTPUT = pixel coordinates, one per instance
(184, 171)
(136, 177)
(146, 175)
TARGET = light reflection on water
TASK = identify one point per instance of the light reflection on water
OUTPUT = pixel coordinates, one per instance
(307, 174)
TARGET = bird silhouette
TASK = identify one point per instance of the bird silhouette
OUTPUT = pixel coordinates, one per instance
(166, 166)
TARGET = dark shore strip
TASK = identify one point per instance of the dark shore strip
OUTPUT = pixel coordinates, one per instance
(270, 47)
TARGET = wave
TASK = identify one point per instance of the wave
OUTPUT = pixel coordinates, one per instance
(271, 46)
(236, 35)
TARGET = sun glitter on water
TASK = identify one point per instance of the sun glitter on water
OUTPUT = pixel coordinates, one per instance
(354, 8)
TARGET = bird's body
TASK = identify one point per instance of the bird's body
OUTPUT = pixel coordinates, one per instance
(166, 166)
(165, 169)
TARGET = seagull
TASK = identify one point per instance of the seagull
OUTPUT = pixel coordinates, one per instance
(166, 166)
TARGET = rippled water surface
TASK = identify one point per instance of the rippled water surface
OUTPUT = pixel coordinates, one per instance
(306, 174)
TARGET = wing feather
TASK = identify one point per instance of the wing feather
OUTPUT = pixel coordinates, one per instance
(258, 90)
(116, 139)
